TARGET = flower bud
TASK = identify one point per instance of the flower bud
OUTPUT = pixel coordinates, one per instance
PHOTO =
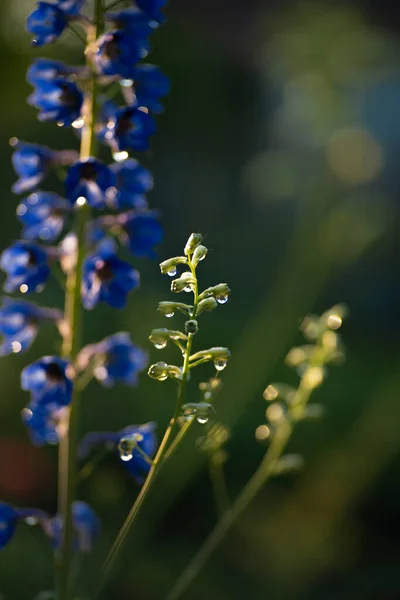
(158, 371)
(202, 411)
(220, 292)
(192, 243)
(159, 338)
(199, 254)
(169, 266)
(219, 355)
(191, 326)
(184, 283)
(206, 305)
(168, 309)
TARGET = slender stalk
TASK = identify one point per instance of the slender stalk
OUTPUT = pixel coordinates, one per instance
(67, 469)
(265, 470)
(161, 453)
(218, 482)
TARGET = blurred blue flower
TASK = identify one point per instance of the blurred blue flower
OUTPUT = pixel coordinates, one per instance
(8, 523)
(117, 359)
(42, 422)
(129, 128)
(31, 163)
(86, 527)
(48, 382)
(20, 322)
(46, 23)
(118, 52)
(107, 278)
(57, 100)
(26, 266)
(134, 21)
(71, 7)
(43, 214)
(143, 435)
(150, 84)
(46, 70)
(152, 8)
(90, 179)
(142, 232)
(133, 181)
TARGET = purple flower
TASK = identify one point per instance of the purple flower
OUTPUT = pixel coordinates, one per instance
(150, 84)
(48, 382)
(46, 23)
(43, 214)
(118, 52)
(133, 181)
(57, 100)
(92, 180)
(129, 128)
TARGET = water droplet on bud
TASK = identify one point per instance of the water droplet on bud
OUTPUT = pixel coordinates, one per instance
(160, 345)
(169, 315)
(222, 299)
(172, 272)
(202, 420)
(188, 288)
(126, 457)
(220, 363)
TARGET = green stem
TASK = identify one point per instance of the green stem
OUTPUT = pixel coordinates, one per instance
(265, 470)
(161, 453)
(217, 476)
(68, 477)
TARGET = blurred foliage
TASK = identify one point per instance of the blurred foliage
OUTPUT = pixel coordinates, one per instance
(279, 142)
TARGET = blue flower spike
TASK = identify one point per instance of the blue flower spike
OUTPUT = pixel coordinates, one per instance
(32, 162)
(20, 322)
(48, 381)
(107, 278)
(27, 267)
(91, 180)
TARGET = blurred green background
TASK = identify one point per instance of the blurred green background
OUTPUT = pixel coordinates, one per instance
(280, 142)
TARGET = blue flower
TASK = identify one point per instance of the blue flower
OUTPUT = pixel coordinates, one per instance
(45, 70)
(107, 278)
(90, 179)
(31, 163)
(46, 23)
(133, 181)
(19, 324)
(135, 462)
(48, 382)
(8, 523)
(118, 52)
(142, 232)
(117, 358)
(42, 422)
(42, 214)
(150, 84)
(152, 8)
(129, 127)
(134, 21)
(57, 100)
(26, 266)
(86, 527)
(71, 7)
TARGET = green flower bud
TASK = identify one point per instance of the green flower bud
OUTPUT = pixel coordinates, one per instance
(191, 326)
(169, 308)
(169, 267)
(199, 254)
(192, 243)
(220, 292)
(202, 411)
(159, 337)
(206, 305)
(185, 283)
(219, 355)
(158, 371)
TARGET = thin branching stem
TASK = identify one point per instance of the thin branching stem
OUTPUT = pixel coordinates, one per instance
(265, 470)
(161, 453)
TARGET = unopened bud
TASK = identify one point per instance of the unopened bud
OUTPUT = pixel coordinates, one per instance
(220, 292)
(191, 326)
(158, 371)
(184, 283)
(169, 266)
(192, 243)
(206, 305)
(169, 308)
(199, 254)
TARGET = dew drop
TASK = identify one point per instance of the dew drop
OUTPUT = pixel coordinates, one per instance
(127, 456)
(202, 420)
(160, 345)
(23, 288)
(220, 363)
(31, 520)
(162, 377)
(120, 156)
(169, 315)
(188, 288)
(172, 272)
(222, 299)
(16, 347)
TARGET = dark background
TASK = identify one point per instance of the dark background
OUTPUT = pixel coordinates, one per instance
(280, 142)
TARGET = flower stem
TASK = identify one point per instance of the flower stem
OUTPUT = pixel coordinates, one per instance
(67, 468)
(265, 470)
(218, 482)
(161, 453)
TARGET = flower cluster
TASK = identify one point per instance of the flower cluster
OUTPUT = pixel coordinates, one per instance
(99, 212)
